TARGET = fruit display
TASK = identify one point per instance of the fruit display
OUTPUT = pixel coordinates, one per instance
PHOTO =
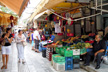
(87, 44)
(92, 34)
(84, 36)
(91, 41)
(60, 42)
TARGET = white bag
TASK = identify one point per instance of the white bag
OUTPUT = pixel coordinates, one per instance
(24, 43)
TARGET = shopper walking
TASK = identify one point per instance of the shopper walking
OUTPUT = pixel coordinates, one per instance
(6, 47)
(31, 37)
(19, 42)
(36, 37)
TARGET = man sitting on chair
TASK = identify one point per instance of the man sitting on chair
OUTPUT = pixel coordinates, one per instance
(99, 48)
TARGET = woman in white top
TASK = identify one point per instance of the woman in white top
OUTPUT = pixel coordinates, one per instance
(20, 38)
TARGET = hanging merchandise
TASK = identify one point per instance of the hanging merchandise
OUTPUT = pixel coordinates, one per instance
(15, 21)
(69, 22)
(11, 18)
(12, 24)
(68, 15)
(64, 22)
(39, 23)
(57, 28)
(63, 29)
(64, 14)
(4, 20)
(60, 22)
(51, 17)
(57, 18)
(8, 20)
(46, 18)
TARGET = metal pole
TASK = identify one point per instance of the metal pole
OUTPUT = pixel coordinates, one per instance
(101, 7)
(96, 4)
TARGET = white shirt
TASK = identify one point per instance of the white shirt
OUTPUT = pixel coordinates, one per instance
(57, 28)
(36, 33)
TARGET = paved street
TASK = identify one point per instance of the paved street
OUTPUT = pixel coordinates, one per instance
(34, 62)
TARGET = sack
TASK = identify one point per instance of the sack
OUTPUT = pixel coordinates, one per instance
(24, 43)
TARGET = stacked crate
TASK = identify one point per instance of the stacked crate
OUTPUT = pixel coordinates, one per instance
(69, 63)
(58, 62)
(49, 52)
(76, 58)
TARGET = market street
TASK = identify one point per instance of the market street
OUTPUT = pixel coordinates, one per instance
(34, 62)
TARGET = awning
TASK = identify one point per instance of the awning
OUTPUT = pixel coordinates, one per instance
(47, 4)
(58, 6)
(15, 5)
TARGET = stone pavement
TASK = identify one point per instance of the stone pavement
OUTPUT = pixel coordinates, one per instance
(34, 62)
(91, 68)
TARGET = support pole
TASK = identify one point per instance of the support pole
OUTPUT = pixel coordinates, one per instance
(96, 4)
(101, 7)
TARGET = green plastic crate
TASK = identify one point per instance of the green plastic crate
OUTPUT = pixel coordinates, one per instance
(82, 51)
(58, 50)
(59, 59)
(68, 53)
(76, 56)
(62, 51)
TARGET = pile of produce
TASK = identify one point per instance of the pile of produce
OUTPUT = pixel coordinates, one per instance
(84, 36)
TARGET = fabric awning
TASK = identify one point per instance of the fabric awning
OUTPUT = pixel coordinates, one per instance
(57, 5)
(15, 5)
(47, 4)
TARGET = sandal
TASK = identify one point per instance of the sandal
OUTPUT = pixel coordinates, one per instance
(23, 62)
(38, 52)
(3, 67)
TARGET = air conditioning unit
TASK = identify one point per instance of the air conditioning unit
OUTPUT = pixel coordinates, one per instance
(79, 1)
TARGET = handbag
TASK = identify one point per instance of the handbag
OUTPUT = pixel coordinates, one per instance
(24, 43)
(2, 41)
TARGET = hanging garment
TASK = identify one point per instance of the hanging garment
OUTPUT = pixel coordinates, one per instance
(57, 28)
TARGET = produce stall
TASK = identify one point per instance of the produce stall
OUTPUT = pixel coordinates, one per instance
(65, 54)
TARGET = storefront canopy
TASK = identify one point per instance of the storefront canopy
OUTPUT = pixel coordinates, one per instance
(58, 6)
(15, 5)
(45, 4)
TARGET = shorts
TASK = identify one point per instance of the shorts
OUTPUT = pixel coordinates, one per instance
(6, 50)
(32, 43)
(37, 44)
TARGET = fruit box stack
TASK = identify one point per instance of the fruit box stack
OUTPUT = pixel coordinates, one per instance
(71, 54)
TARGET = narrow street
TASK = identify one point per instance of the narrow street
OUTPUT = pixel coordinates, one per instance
(34, 62)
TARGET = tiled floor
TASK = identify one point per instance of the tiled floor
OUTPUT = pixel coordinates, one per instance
(34, 62)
